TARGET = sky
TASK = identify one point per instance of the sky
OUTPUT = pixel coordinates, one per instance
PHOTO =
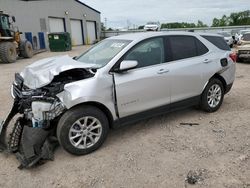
(121, 13)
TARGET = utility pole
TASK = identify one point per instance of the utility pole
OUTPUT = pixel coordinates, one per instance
(105, 21)
(128, 24)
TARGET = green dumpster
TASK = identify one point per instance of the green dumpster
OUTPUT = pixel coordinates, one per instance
(60, 42)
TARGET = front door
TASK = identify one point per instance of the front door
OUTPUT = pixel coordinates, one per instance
(147, 86)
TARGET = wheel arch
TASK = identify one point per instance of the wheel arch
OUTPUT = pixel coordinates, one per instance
(223, 81)
(219, 77)
(101, 107)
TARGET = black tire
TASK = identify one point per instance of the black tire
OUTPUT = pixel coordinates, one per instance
(204, 98)
(8, 52)
(26, 49)
(68, 120)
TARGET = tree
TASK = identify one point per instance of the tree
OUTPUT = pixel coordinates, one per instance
(236, 18)
(141, 27)
(224, 21)
(201, 24)
(216, 22)
(103, 28)
(244, 18)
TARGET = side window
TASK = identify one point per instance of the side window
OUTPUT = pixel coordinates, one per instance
(182, 47)
(147, 53)
(201, 48)
(219, 42)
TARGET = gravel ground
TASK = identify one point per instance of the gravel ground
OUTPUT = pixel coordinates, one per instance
(158, 152)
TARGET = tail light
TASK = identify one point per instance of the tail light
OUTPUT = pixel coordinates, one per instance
(233, 56)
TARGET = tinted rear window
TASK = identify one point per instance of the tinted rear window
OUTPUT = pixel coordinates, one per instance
(186, 47)
(219, 42)
(182, 47)
(201, 48)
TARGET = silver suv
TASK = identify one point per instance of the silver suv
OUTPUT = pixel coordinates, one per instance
(118, 81)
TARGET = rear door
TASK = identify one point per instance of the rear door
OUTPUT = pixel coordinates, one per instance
(147, 86)
(188, 56)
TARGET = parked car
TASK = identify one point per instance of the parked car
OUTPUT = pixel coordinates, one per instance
(244, 49)
(240, 34)
(228, 38)
(120, 80)
(234, 34)
(152, 26)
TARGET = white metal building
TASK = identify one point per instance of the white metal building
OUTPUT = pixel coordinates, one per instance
(37, 18)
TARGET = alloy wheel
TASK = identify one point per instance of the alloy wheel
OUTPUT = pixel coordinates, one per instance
(85, 132)
(214, 95)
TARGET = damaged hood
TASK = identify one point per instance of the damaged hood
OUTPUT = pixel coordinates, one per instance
(42, 72)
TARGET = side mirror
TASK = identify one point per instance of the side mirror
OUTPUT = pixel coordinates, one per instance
(13, 18)
(127, 65)
(75, 57)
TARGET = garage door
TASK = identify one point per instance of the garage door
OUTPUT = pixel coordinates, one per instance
(76, 32)
(91, 32)
(56, 25)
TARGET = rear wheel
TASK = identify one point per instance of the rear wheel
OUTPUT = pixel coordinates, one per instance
(82, 130)
(26, 49)
(212, 96)
(8, 52)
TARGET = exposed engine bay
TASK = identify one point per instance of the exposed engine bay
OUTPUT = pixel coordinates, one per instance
(33, 137)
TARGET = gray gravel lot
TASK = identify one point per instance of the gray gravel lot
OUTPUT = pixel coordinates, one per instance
(157, 152)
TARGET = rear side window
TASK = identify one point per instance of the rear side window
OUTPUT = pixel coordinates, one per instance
(219, 42)
(201, 48)
(186, 47)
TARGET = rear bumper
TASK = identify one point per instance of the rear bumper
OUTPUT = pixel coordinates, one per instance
(228, 88)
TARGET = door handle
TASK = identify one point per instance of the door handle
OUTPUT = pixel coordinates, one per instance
(162, 71)
(207, 61)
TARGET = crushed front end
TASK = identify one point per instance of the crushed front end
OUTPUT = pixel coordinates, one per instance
(33, 136)
(37, 107)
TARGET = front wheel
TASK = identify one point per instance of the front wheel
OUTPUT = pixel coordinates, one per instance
(212, 96)
(82, 130)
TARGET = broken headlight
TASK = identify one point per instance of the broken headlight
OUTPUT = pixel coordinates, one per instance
(43, 112)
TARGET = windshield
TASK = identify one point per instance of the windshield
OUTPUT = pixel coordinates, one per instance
(4, 22)
(102, 53)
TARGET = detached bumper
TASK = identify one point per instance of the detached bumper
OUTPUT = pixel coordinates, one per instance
(37, 144)
(4, 124)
